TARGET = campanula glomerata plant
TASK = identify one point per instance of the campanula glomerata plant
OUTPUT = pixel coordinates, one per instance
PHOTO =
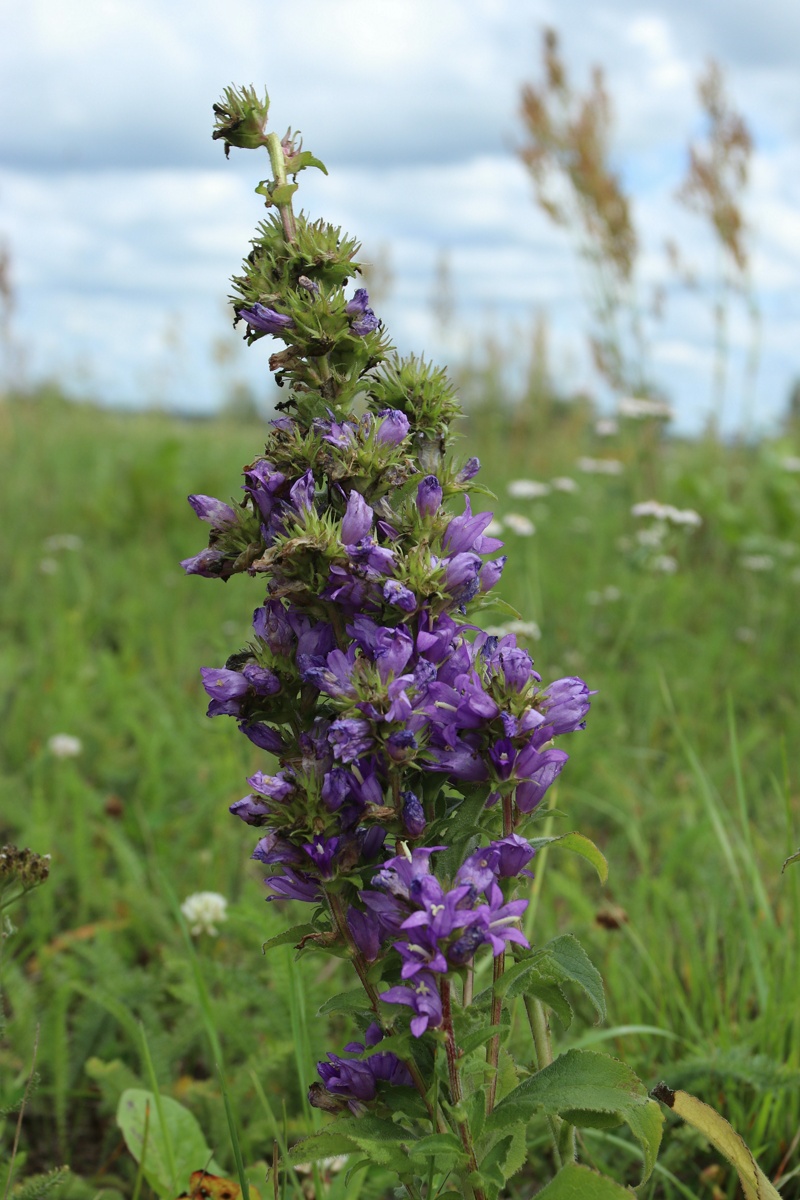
(407, 752)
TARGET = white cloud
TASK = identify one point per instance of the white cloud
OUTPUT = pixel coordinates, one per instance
(122, 215)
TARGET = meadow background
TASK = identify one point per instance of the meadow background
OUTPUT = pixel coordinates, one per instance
(686, 775)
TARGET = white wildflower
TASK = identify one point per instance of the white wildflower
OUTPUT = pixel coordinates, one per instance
(519, 524)
(637, 408)
(63, 541)
(652, 537)
(494, 527)
(527, 489)
(527, 629)
(563, 483)
(745, 634)
(64, 745)
(757, 562)
(666, 512)
(790, 463)
(665, 563)
(48, 566)
(204, 911)
(600, 466)
(606, 427)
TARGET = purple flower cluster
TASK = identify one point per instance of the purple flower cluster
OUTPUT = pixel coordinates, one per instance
(354, 1081)
(434, 928)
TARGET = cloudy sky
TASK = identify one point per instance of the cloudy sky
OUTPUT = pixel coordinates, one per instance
(123, 220)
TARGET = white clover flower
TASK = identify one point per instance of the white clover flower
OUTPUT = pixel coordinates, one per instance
(204, 911)
(519, 524)
(64, 745)
(527, 489)
(611, 594)
(637, 408)
(527, 629)
(745, 634)
(652, 537)
(665, 563)
(48, 566)
(494, 527)
(790, 463)
(684, 516)
(563, 483)
(63, 541)
(650, 508)
(757, 562)
(606, 427)
(666, 512)
(600, 466)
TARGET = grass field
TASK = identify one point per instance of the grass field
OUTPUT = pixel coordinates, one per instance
(687, 777)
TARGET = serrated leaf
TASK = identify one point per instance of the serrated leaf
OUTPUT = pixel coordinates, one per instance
(583, 1083)
(460, 829)
(723, 1137)
(288, 937)
(325, 1144)
(563, 960)
(436, 1144)
(576, 1182)
(476, 1112)
(381, 1140)
(479, 1038)
(578, 843)
(345, 1002)
(190, 1151)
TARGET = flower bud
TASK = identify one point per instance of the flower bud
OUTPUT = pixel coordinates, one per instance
(413, 815)
(429, 495)
(241, 119)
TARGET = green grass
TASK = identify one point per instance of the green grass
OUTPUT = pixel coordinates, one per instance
(686, 777)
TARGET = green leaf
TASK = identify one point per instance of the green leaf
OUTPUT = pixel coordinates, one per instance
(476, 1112)
(479, 1038)
(282, 194)
(578, 843)
(384, 1142)
(288, 937)
(438, 1144)
(575, 1182)
(460, 829)
(345, 1002)
(587, 1088)
(328, 1143)
(189, 1148)
(793, 858)
(563, 960)
(723, 1137)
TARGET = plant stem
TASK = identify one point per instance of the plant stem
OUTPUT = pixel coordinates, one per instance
(493, 1048)
(561, 1132)
(456, 1095)
(279, 172)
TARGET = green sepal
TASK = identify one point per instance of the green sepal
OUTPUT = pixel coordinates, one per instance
(589, 1087)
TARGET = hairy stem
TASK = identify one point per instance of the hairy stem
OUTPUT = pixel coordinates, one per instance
(561, 1132)
(456, 1095)
(493, 1048)
(279, 173)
